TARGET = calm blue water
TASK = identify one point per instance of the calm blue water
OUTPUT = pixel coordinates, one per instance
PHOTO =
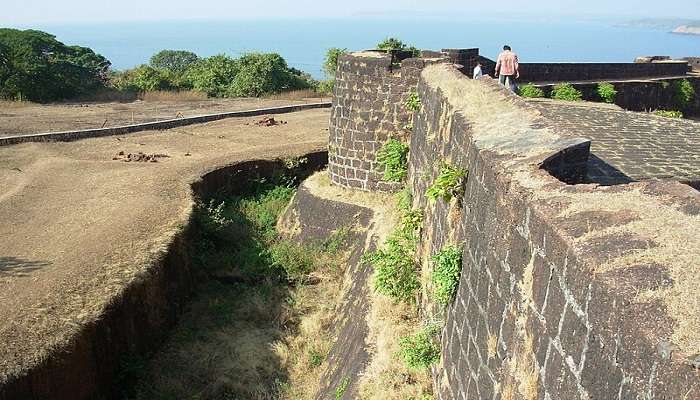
(304, 42)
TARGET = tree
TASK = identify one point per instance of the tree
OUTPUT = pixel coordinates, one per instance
(265, 73)
(396, 44)
(212, 75)
(177, 61)
(143, 78)
(330, 64)
(38, 67)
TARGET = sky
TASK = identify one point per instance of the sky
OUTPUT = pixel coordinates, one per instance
(28, 12)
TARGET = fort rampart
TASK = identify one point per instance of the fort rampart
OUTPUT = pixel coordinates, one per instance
(566, 291)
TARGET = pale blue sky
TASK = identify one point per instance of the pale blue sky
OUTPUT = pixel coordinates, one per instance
(28, 12)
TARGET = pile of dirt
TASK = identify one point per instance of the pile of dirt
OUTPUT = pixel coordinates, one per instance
(269, 121)
(138, 157)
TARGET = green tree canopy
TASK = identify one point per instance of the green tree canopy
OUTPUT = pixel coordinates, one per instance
(143, 78)
(396, 44)
(330, 64)
(265, 73)
(177, 61)
(212, 75)
(36, 66)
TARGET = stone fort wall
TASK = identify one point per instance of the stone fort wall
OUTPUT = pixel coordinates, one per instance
(549, 300)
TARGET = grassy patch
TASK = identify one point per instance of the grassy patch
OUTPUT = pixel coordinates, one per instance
(566, 92)
(447, 267)
(606, 92)
(531, 91)
(668, 113)
(420, 350)
(393, 158)
(255, 328)
(448, 184)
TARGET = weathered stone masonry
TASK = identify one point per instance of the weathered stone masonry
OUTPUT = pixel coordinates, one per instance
(549, 302)
(532, 318)
(368, 109)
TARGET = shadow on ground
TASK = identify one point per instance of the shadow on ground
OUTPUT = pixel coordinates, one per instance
(17, 267)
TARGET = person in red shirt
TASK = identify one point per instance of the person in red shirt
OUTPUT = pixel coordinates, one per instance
(507, 68)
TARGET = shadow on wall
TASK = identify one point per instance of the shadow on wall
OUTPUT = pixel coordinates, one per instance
(13, 266)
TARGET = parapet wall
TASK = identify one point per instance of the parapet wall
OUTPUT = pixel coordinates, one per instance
(566, 291)
(368, 109)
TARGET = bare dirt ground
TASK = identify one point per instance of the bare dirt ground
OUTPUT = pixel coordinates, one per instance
(78, 223)
(27, 118)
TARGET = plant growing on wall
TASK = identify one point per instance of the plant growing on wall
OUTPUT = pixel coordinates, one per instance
(448, 184)
(413, 102)
(668, 113)
(393, 158)
(607, 92)
(531, 91)
(447, 267)
(567, 92)
(396, 44)
(683, 94)
(420, 351)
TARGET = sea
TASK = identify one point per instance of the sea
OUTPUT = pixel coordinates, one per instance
(303, 42)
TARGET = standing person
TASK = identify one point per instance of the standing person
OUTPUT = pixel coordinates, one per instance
(478, 73)
(507, 69)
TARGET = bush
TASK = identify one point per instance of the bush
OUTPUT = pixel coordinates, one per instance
(396, 44)
(607, 92)
(683, 94)
(297, 261)
(176, 61)
(393, 158)
(447, 267)
(413, 102)
(330, 63)
(566, 92)
(262, 74)
(531, 91)
(448, 184)
(141, 79)
(326, 87)
(668, 113)
(420, 351)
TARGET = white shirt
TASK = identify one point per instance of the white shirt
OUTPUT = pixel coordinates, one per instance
(477, 72)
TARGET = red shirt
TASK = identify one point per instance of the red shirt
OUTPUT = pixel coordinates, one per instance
(507, 63)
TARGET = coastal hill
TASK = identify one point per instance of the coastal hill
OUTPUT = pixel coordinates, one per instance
(673, 25)
(688, 29)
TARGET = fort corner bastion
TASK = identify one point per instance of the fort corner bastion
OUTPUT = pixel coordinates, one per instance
(580, 261)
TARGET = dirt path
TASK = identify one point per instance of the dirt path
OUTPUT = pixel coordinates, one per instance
(21, 119)
(78, 222)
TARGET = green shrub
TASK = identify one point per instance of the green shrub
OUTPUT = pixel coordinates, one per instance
(668, 113)
(566, 92)
(683, 94)
(448, 184)
(326, 87)
(330, 63)
(607, 92)
(315, 358)
(396, 44)
(394, 270)
(262, 74)
(177, 61)
(143, 78)
(404, 199)
(447, 267)
(297, 261)
(531, 91)
(342, 388)
(393, 158)
(212, 75)
(413, 102)
(420, 351)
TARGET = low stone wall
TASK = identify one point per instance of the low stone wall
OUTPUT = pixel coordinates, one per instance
(137, 321)
(542, 72)
(70, 136)
(549, 304)
(368, 109)
(643, 95)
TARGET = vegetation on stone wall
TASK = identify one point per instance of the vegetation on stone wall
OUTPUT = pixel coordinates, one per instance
(683, 94)
(566, 91)
(447, 267)
(668, 113)
(420, 350)
(393, 159)
(448, 184)
(392, 43)
(413, 102)
(531, 91)
(606, 92)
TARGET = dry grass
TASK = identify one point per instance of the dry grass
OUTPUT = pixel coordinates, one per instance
(297, 95)
(173, 95)
(10, 104)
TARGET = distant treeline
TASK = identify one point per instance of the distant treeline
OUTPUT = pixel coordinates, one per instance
(35, 66)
